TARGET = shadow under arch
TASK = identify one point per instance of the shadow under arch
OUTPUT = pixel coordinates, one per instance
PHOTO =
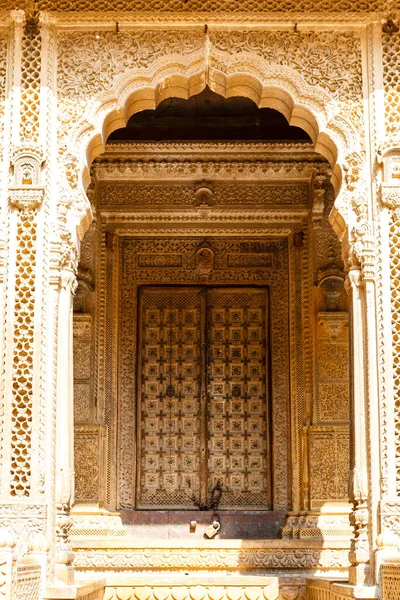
(277, 87)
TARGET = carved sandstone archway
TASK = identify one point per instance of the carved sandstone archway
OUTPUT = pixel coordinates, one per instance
(95, 116)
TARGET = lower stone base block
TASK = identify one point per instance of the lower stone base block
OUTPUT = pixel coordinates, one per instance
(86, 590)
(205, 588)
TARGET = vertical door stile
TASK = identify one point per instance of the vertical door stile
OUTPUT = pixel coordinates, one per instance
(203, 398)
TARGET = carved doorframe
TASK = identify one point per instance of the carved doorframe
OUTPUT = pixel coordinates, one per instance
(120, 385)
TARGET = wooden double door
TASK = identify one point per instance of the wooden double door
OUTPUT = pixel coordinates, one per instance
(203, 417)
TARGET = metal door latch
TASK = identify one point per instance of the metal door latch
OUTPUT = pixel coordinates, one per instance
(214, 528)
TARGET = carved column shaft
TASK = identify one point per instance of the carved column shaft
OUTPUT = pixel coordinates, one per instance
(358, 486)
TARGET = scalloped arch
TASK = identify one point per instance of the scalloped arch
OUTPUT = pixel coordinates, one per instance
(269, 86)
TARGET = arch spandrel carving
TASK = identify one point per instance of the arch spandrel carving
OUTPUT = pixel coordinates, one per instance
(181, 64)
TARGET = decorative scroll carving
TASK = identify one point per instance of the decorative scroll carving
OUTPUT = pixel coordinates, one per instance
(133, 194)
(340, 53)
(77, 68)
(212, 559)
(89, 461)
(329, 464)
(332, 365)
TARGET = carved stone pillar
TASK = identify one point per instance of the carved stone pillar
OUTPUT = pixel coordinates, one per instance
(64, 261)
(390, 394)
(358, 485)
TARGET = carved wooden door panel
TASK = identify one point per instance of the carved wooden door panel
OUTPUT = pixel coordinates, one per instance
(202, 409)
(169, 398)
(238, 448)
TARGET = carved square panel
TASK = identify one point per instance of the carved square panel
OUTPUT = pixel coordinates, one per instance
(236, 426)
(219, 334)
(189, 317)
(169, 425)
(236, 334)
(236, 444)
(255, 444)
(236, 352)
(190, 335)
(254, 425)
(218, 370)
(152, 352)
(236, 463)
(152, 388)
(189, 369)
(189, 425)
(170, 462)
(236, 370)
(190, 406)
(152, 480)
(170, 442)
(218, 463)
(151, 406)
(217, 426)
(152, 335)
(236, 315)
(254, 406)
(255, 482)
(218, 352)
(152, 462)
(255, 463)
(253, 334)
(152, 443)
(152, 317)
(236, 481)
(170, 481)
(218, 444)
(218, 389)
(236, 407)
(152, 370)
(254, 352)
(218, 315)
(152, 425)
(189, 444)
(254, 315)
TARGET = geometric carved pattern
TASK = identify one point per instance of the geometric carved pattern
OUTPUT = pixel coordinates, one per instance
(390, 581)
(332, 369)
(391, 66)
(21, 418)
(179, 423)
(329, 465)
(395, 293)
(237, 415)
(30, 85)
(213, 6)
